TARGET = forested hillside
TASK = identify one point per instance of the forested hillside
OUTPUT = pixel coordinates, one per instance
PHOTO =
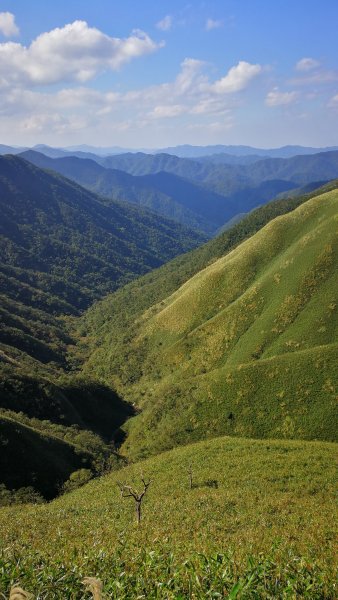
(165, 193)
(61, 249)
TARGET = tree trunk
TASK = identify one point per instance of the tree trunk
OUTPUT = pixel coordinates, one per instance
(138, 511)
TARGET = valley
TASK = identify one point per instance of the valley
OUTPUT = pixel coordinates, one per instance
(143, 337)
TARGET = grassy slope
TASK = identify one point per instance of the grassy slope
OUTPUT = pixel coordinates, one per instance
(112, 319)
(247, 494)
(257, 327)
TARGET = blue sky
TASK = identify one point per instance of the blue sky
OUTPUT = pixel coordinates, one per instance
(152, 74)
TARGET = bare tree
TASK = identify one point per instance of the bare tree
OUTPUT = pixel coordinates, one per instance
(128, 492)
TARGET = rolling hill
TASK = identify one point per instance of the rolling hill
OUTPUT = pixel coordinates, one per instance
(256, 523)
(237, 338)
(245, 347)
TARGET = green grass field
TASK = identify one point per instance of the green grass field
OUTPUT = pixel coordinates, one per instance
(269, 500)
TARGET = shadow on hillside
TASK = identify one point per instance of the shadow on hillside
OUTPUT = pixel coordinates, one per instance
(78, 401)
(40, 460)
(100, 407)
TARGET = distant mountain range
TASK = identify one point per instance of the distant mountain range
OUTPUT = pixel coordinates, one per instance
(188, 151)
(165, 193)
(200, 194)
(233, 152)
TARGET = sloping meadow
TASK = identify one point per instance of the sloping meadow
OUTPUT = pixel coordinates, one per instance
(245, 347)
(225, 518)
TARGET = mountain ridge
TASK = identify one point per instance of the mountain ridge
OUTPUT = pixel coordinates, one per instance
(233, 321)
(203, 195)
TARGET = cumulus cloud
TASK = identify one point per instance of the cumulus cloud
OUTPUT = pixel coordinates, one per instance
(213, 24)
(307, 64)
(165, 24)
(75, 52)
(277, 98)
(193, 98)
(209, 105)
(8, 26)
(190, 76)
(237, 78)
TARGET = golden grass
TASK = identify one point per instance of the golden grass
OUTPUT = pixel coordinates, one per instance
(95, 586)
(17, 593)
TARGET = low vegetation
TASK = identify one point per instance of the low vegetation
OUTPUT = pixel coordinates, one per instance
(237, 338)
(245, 347)
(265, 530)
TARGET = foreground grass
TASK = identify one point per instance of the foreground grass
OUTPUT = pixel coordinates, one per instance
(258, 523)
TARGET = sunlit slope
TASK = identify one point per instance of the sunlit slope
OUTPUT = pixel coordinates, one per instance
(248, 345)
(246, 495)
(273, 294)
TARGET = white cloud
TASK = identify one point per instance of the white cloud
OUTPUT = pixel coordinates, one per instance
(193, 98)
(190, 77)
(165, 24)
(168, 110)
(8, 26)
(318, 77)
(311, 72)
(307, 64)
(237, 78)
(277, 98)
(213, 24)
(75, 52)
(210, 105)
(215, 127)
(333, 102)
